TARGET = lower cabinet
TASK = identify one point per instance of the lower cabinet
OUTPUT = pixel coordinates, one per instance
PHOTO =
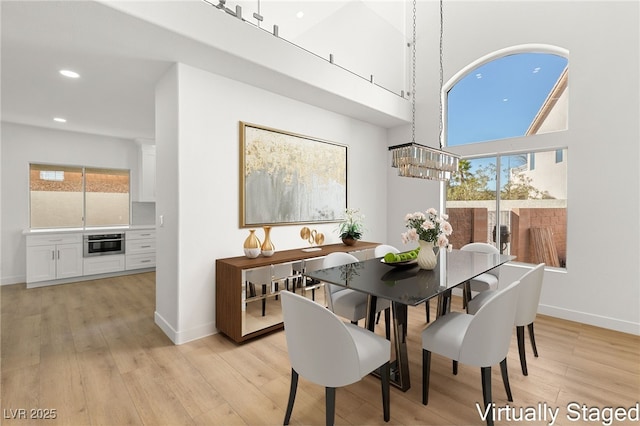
(140, 249)
(54, 257)
(58, 258)
(103, 264)
(247, 301)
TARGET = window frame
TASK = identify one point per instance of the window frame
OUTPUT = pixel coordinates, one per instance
(500, 147)
(83, 170)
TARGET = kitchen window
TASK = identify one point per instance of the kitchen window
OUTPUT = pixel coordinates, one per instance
(72, 196)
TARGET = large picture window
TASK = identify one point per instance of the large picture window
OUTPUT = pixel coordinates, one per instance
(512, 192)
(71, 196)
(505, 202)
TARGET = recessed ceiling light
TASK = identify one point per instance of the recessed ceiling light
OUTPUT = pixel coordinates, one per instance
(300, 14)
(60, 119)
(70, 74)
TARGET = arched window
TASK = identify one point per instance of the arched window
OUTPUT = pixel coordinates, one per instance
(511, 192)
(508, 94)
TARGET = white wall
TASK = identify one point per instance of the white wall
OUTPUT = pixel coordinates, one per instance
(205, 226)
(600, 284)
(198, 171)
(22, 145)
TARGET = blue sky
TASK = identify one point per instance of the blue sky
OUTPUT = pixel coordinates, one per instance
(500, 99)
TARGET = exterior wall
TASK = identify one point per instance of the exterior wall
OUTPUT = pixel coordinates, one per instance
(523, 220)
(470, 225)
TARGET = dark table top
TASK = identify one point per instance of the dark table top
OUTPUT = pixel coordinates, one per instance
(409, 284)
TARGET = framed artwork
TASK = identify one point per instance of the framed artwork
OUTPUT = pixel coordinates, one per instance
(286, 178)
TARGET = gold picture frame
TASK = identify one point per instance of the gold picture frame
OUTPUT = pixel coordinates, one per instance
(288, 178)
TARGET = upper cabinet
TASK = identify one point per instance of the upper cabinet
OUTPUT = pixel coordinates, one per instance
(147, 172)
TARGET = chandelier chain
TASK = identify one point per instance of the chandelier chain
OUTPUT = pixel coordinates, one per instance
(413, 74)
(441, 116)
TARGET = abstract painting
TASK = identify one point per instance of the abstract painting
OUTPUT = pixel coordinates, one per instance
(287, 178)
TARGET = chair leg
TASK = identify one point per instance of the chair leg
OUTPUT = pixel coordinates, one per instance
(466, 295)
(523, 355)
(426, 372)
(354, 322)
(385, 372)
(378, 317)
(330, 396)
(455, 367)
(264, 300)
(532, 337)
(427, 311)
(486, 393)
(505, 379)
(292, 396)
(387, 323)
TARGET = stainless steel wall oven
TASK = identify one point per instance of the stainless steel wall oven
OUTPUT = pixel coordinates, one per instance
(103, 244)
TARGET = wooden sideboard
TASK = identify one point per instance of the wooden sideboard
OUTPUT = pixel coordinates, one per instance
(231, 293)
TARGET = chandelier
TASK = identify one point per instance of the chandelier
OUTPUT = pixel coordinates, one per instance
(416, 160)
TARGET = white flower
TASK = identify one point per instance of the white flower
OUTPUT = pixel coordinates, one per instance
(446, 228)
(427, 227)
(427, 224)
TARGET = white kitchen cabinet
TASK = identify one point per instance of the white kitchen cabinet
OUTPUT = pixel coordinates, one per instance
(147, 176)
(140, 249)
(104, 264)
(52, 257)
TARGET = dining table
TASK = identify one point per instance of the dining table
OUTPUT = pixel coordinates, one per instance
(405, 284)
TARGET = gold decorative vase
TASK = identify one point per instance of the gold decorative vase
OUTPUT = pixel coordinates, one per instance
(252, 245)
(267, 246)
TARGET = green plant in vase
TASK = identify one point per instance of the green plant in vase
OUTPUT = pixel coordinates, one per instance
(352, 228)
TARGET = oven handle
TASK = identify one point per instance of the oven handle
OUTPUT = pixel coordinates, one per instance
(101, 241)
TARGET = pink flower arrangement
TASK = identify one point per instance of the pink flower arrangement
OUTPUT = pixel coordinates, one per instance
(427, 226)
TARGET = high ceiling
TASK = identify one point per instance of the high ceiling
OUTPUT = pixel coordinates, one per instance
(120, 58)
(115, 93)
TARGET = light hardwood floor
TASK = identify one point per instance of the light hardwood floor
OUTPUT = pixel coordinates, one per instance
(91, 352)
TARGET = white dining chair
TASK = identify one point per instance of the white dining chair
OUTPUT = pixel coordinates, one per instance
(381, 251)
(281, 274)
(329, 352)
(310, 265)
(526, 310)
(351, 304)
(487, 281)
(481, 340)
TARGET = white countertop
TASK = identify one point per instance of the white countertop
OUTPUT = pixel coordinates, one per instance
(90, 229)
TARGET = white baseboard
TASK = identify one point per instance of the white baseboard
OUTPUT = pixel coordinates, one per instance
(584, 318)
(17, 279)
(180, 337)
(165, 326)
(196, 333)
(591, 319)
